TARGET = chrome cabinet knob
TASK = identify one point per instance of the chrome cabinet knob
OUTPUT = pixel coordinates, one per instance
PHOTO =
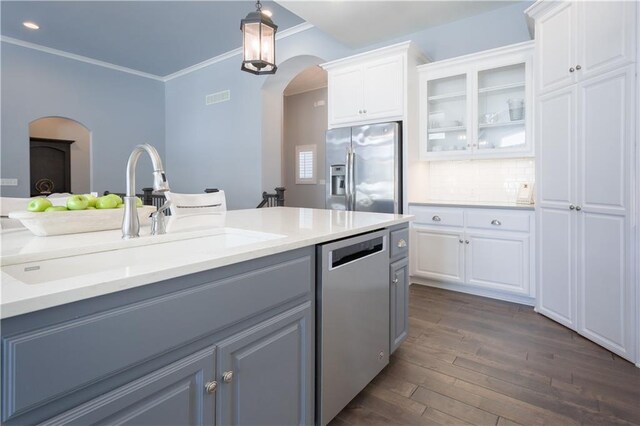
(436, 218)
(578, 67)
(572, 207)
(364, 110)
(211, 387)
(571, 69)
(227, 376)
(359, 111)
(402, 243)
(461, 241)
(578, 208)
(395, 280)
(466, 241)
(496, 222)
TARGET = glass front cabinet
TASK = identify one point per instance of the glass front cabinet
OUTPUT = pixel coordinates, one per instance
(478, 106)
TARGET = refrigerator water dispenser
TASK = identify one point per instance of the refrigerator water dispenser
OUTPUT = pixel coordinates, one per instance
(337, 180)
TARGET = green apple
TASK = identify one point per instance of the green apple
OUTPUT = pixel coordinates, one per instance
(77, 202)
(91, 208)
(116, 198)
(39, 204)
(56, 209)
(92, 200)
(138, 202)
(106, 202)
(120, 206)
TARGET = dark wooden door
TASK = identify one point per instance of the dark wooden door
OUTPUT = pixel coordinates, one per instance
(50, 163)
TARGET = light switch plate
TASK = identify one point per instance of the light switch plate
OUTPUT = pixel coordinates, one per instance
(8, 181)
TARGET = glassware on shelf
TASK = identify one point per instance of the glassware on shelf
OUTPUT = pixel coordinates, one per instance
(447, 108)
(516, 109)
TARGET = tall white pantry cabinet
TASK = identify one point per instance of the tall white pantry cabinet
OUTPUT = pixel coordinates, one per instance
(585, 147)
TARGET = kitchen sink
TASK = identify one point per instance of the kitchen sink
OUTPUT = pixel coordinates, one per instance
(139, 259)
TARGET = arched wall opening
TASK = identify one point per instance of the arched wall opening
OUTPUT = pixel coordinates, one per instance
(272, 117)
(65, 129)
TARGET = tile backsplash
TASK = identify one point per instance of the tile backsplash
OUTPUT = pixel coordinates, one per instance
(476, 180)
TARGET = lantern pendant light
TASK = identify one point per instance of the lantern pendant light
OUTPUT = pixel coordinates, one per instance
(258, 43)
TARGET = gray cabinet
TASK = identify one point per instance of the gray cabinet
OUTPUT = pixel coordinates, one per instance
(398, 287)
(399, 302)
(266, 372)
(173, 395)
(145, 356)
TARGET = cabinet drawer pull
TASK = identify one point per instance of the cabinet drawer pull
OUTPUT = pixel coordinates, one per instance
(211, 387)
(227, 376)
(436, 218)
(496, 222)
(402, 243)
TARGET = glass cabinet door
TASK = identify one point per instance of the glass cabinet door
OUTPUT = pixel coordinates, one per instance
(501, 108)
(447, 114)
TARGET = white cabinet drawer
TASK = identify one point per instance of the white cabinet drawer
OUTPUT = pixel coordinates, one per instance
(442, 216)
(498, 220)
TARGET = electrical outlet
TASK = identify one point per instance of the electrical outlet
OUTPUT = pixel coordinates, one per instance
(319, 103)
(9, 182)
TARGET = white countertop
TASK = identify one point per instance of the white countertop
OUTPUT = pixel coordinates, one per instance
(68, 268)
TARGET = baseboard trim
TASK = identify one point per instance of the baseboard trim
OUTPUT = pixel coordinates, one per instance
(523, 300)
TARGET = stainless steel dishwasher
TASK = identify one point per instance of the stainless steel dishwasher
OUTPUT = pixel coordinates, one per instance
(352, 319)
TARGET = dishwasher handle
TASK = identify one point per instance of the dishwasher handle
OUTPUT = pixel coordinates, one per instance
(353, 252)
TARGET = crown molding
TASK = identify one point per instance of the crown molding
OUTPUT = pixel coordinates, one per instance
(285, 33)
(80, 58)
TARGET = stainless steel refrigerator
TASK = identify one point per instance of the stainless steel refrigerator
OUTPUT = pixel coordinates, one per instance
(364, 168)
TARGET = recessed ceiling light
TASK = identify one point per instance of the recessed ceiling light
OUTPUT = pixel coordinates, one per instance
(268, 13)
(31, 25)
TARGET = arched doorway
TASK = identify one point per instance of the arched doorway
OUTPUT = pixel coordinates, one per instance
(59, 156)
(272, 117)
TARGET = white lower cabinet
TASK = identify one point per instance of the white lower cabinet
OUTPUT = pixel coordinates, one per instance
(437, 254)
(483, 251)
(499, 262)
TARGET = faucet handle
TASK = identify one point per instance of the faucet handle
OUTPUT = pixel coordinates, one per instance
(157, 220)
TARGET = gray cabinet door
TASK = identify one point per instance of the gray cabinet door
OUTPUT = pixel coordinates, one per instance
(173, 395)
(269, 372)
(399, 303)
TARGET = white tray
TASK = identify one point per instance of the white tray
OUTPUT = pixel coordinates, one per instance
(45, 224)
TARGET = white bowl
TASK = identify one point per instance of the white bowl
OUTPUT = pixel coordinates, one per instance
(45, 224)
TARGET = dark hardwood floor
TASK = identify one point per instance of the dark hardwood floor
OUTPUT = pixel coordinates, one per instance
(472, 360)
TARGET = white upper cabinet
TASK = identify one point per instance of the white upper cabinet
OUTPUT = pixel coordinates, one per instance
(579, 40)
(370, 87)
(477, 106)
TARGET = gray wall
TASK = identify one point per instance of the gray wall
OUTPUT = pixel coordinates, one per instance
(304, 124)
(221, 145)
(119, 109)
(206, 146)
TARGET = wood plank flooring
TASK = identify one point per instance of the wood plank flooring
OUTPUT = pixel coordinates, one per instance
(472, 360)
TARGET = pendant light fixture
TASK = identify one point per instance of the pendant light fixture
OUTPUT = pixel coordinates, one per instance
(258, 43)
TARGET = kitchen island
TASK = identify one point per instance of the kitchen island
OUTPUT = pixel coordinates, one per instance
(213, 322)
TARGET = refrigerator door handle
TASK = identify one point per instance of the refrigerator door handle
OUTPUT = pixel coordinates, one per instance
(353, 180)
(347, 189)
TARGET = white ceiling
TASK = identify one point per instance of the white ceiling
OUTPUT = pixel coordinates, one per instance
(360, 23)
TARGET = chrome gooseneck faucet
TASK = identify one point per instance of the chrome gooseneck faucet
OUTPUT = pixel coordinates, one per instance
(130, 222)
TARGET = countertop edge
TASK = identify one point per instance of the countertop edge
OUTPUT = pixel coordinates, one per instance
(525, 207)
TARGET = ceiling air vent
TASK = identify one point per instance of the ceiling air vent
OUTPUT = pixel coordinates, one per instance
(216, 98)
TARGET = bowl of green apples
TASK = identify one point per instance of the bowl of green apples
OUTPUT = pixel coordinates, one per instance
(80, 213)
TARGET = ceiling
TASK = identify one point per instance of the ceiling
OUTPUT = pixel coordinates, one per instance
(164, 37)
(156, 37)
(359, 23)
